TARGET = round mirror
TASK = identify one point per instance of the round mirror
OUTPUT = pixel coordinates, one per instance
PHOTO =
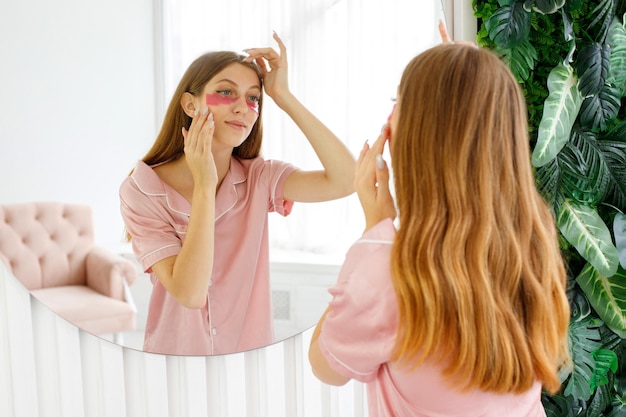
(84, 93)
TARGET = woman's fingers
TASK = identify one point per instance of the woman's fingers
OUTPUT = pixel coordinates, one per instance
(372, 182)
(443, 32)
(264, 54)
(281, 46)
(275, 59)
(199, 137)
(445, 37)
(363, 152)
(366, 165)
(379, 145)
(368, 153)
(382, 175)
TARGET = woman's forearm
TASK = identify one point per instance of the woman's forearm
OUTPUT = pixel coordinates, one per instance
(191, 274)
(338, 162)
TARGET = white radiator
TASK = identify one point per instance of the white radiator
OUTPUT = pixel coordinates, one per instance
(49, 368)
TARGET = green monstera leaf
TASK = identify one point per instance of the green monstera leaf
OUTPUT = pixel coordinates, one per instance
(559, 114)
(606, 360)
(584, 229)
(509, 25)
(607, 295)
(521, 59)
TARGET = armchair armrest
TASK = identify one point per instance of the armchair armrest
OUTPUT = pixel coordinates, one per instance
(108, 273)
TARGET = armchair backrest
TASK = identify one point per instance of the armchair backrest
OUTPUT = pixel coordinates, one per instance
(44, 244)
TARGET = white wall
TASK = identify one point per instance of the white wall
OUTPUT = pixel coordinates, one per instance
(76, 102)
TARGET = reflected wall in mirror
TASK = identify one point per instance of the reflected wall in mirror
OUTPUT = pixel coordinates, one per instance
(83, 98)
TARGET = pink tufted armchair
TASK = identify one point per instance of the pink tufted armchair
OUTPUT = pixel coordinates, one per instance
(50, 248)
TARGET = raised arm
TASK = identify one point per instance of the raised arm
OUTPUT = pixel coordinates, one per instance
(337, 178)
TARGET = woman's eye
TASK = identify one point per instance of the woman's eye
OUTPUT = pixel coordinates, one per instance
(225, 92)
(254, 99)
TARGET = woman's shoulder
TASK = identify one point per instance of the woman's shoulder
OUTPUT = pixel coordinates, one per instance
(368, 259)
(142, 180)
(259, 168)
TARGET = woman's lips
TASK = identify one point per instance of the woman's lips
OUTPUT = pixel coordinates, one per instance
(236, 124)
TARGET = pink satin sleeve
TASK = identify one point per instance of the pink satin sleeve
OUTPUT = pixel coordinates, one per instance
(359, 332)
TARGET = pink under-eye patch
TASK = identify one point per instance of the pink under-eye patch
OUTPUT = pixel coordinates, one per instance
(219, 99)
(253, 105)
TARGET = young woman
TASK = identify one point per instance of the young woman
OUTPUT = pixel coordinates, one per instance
(196, 206)
(462, 310)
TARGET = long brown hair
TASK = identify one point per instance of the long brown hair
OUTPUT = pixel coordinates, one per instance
(169, 143)
(476, 264)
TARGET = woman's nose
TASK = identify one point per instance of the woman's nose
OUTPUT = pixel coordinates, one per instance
(240, 105)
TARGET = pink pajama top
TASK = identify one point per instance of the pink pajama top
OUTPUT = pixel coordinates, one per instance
(238, 313)
(359, 333)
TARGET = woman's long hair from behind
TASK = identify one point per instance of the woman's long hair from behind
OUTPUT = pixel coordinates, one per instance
(476, 263)
(169, 143)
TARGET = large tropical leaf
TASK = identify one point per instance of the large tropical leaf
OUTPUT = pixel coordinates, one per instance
(599, 110)
(616, 169)
(619, 231)
(600, 400)
(606, 360)
(618, 406)
(584, 338)
(616, 39)
(548, 179)
(560, 405)
(613, 147)
(547, 6)
(603, 13)
(520, 59)
(585, 177)
(559, 113)
(509, 25)
(618, 133)
(607, 295)
(619, 399)
(592, 67)
(568, 25)
(584, 229)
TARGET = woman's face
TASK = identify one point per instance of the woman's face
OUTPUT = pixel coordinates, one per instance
(233, 96)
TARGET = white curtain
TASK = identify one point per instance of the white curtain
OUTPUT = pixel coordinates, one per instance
(345, 61)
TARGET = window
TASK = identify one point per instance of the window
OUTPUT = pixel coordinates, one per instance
(345, 61)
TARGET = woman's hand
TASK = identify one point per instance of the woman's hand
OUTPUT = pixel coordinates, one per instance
(275, 79)
(445, 38)
(198, 154)
(372, 182)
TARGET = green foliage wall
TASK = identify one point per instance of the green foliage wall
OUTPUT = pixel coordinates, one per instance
(570, 59)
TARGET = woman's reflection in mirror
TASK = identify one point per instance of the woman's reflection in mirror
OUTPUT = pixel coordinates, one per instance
(196, 206)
